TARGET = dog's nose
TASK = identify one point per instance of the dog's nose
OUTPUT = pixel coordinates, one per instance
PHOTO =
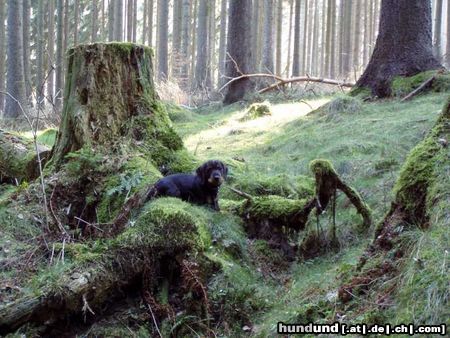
(216, 177)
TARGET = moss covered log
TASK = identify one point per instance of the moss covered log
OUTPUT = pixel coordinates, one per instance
(166, 229)
(19, 159)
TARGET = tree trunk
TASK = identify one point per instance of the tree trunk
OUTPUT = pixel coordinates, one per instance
(267, 45)
(289, 49)
(403, 46)
(296, 56)
(51, 51)
(305, 38)
(18, 158)
(129, 17)
(76, 24)
(211, 43)
(39, 82)
(185, 29)
(144, 23)
(26, 48)
(111, 20)
(2, 54)
(15, 82)
(222, 43)
(279, 46)
(176, 37)
(150, 22)
(437, 43)
(94, 20)
(59, 54)
(357, 37)
(238, 41)
(201, 69)
(193, 42)
(333, 40)
(118, 20)
(134, 38)
(447, 49)
(107, 85)
(163, 35)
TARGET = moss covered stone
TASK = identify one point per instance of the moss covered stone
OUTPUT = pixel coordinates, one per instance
(402, 86)
(257, 110)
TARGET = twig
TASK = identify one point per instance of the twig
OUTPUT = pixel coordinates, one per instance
(419, 89)
(154, 320)
(241, 193)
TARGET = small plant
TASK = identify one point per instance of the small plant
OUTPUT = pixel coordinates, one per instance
(82, 162)
(127, 183)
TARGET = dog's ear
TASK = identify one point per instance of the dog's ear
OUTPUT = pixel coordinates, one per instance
(202, 172)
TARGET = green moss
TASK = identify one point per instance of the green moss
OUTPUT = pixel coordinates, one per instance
(168, 224)
(272, 207)
(322, 167)
(257, 110)
(344, 104)
(256, 184)
(181, 161)
(402, 86)
(47, 137)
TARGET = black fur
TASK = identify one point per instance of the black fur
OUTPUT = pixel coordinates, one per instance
(202, 188)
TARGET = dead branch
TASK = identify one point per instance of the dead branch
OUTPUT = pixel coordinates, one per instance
(283, 81)
(416, 91)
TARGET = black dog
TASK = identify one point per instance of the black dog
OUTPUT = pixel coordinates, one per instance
(201, 188)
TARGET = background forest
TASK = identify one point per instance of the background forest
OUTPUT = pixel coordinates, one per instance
(324, 38)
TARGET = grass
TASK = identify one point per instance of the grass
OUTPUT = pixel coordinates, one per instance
(366, 142)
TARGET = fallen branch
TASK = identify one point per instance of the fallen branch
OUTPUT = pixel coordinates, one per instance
(283, 81)
(419, 89)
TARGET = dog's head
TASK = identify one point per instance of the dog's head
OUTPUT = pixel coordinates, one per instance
(212, 173)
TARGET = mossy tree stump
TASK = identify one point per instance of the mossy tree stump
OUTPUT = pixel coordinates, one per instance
(109, 91)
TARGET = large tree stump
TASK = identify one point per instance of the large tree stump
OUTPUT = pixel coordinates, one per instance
(108, 84)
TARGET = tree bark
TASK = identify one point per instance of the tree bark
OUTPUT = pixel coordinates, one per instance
(357, 37)
(185, 29)
(59, 54)
(296, 55)
(176, 37)
(239, 39)
(163, 35)
(2, 53)
(105, 85)
(222, 42)
(94, 20)
(51, 51)
(447, 49)
(201, 69)
(437, 43)
(403, 46)
(118, 20)
(279, 46)
(26, 49)
(267, 45)
(15, 82)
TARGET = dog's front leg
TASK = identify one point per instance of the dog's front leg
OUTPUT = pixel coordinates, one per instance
(216, 203)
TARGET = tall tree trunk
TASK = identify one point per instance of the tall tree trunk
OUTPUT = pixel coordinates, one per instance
(255, 30)
(202, 46)
(315, 41)
(76, 20)
(323, 39)
(103, 22)
(2, 54)
(403, 47)
(211, 43)
(163, 23)
(222, 42)
(357, 36)
(150, 22)
(333, 40)
(193, 42)
(39, 83)
(296, 56)
(176, 37)
(305, 38)
(289, 49)
(129, 18)
(111, 20)
(134, 38)
(59, 53)
(279, 42)
(437, 43)
(347, 57)
(15, 82)
(328, 40)
(94, 20)
(26, 49)
(185, 28)
(118, 20)
(51, 51)
(366, 33)
(239, 38)
(144, 23)
(447, 49)
(267, 54)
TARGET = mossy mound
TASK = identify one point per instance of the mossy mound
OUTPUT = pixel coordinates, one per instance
(344, 104)
(402, 86)
(257, 110)
(169, 224)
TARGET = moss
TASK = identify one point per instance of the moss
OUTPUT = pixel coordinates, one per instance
(344, 104)
(47, 137)
(402, 86)
(257, 110)
(181, 161)
(255, 184)
(272, 207)
(168, 224)
(322, 167)
(82, 252)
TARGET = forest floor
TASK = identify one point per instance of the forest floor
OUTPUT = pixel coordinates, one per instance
(367, 142)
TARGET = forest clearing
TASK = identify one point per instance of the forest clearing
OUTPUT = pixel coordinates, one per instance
(219, 193)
